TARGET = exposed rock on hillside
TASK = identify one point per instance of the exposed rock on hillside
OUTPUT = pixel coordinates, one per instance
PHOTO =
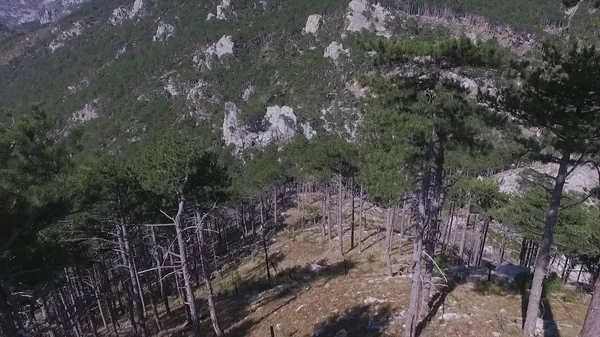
(278, 124)
(17, 12)
(164, 32)
(66, 35)
(122, 14)
(335, 50)
(313, 24)
(363, 16)
(223, 11)
(583, 179)
(216, 51)
(89, 112)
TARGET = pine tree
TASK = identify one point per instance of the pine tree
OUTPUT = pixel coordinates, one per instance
(411, 126)
(559, 97)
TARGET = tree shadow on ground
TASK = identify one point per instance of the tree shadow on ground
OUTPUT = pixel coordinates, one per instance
(268, 295)
(549, 323)
(435, 303)
(360, 321)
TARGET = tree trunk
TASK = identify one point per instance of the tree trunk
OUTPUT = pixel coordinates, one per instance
(341, 216)
(275, 215)
(388, 241)
(449, 229)
(136, 295)
(206, 277)
(591, 325)
(158, 264)
(544, 253)
(360, 222)
(486, 226)
(352, 220)
(47, 318)
(185, 270)
(412, 316)
(414, 308)
(463, 237)
(328, 211)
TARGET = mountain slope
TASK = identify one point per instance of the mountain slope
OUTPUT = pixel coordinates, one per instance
(18, 12)
(254, 70)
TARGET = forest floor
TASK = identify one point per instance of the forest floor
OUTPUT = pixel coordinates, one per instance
(314, 291)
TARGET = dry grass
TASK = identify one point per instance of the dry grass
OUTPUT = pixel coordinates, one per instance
(354, 295)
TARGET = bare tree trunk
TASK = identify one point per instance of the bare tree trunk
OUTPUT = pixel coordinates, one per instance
(360, 221)
(591, 325)
(486, 226)
(448, 230)
(502, 248)
(136, 295)
(206, 277)
(461, 250)
(328, 211)
(352, 221)
(388, 241)
(185, 269)
(275, 214)
(544, 253)
(159, 273)
(414, 308)
(341, 216)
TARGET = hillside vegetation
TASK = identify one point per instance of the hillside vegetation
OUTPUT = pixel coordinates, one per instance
(302, 168)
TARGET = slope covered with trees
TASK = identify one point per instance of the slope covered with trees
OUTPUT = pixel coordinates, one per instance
(123, 198)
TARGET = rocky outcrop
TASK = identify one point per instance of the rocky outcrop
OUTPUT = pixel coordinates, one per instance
(14, 13)
(121, 51)
(88, 113)
(247, 91)
(583, 179)
(308, 131)
(278, 125)
(66, 35)
(361, 15)
(122, 14)
(223, 11)
(335, 50)
(313, 24)
(214, 52)
(164, 32)
(73, 89)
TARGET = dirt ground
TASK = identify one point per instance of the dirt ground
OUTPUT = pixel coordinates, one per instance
(314, 291)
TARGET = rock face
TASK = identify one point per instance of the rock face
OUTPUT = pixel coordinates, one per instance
(335, 50)
(87, 113)
(206, 58)
(65, 36)
(583, 179)
(164, 32)
(223, 11)
(363, 16)
(313, 24)
(17, 12)
(278, 124)
(122, 14)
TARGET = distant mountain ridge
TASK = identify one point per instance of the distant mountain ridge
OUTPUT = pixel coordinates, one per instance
(18, 12)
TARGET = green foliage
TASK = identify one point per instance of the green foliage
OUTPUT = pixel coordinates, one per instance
(457, 52)
(519, 14)
(322, 157)
(559, 96)
(39, 185)
(182, 167)
(577, 229)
